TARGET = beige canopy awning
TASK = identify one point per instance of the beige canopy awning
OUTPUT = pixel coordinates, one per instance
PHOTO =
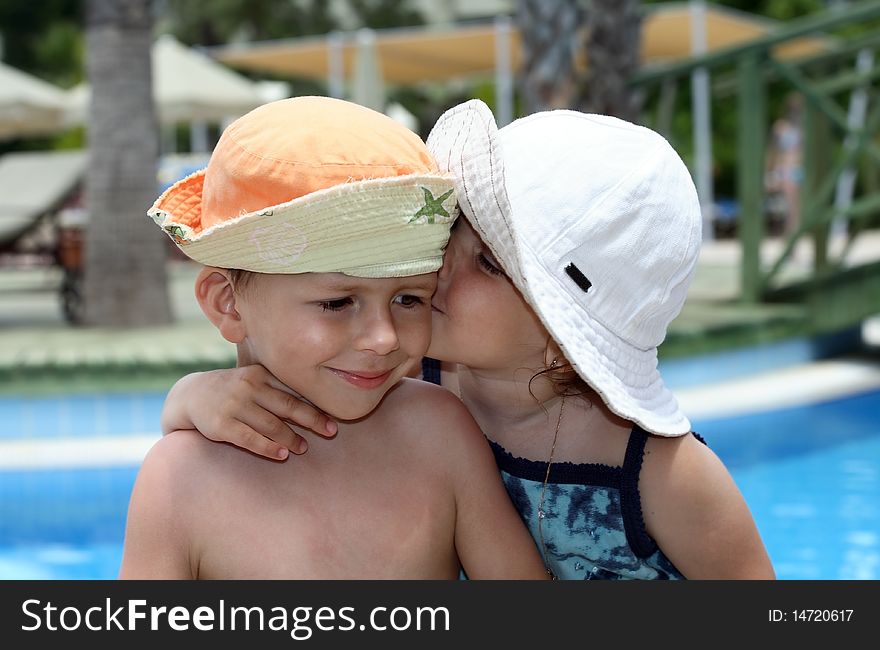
(412, 55)
(189, 86)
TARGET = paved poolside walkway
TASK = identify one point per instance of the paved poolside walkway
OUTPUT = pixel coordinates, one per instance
(40, 351)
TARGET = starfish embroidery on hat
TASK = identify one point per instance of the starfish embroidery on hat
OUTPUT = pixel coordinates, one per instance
(433, 207)
(178, 234)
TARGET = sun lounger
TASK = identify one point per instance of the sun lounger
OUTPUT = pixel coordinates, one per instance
(34, 184)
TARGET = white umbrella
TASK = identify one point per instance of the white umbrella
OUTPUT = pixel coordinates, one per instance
(28, 105)
(188, 86)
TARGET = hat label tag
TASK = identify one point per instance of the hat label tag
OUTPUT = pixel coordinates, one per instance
(433, 207)
(579, 278)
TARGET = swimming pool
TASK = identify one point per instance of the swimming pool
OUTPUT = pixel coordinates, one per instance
(62, 512)
(810, 474)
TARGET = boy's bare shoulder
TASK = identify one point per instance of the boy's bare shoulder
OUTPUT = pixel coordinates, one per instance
(431, 412)
(180, 447)
(415, 400)
(187, 457)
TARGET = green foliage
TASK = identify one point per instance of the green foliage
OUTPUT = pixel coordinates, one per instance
(72, 139)
(381, 14)
(44, 38)
(228, 21)
(224, 21)
(61, 53)
(777, 9)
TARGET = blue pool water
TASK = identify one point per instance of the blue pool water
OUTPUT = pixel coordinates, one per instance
(810, 474)
(79, 415)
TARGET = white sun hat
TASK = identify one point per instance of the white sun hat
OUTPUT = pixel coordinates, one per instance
(597, 223)
(314, 184)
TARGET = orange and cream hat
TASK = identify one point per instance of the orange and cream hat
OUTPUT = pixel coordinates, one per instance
(314, 184)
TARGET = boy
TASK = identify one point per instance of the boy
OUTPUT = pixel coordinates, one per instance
(321, 225)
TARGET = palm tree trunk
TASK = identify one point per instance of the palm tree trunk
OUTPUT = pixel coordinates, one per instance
(125, 275)
(549, 30)
(613, 56)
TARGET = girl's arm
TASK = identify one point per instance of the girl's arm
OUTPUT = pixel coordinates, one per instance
(697, 515)
(245, 406)
(491, 540)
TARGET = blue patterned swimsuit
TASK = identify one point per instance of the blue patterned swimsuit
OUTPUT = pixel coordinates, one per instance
(593, 527)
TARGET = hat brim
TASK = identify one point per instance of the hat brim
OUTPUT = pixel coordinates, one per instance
(465, 141)
(370, 228)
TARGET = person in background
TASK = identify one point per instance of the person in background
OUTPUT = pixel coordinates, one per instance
(785, 172)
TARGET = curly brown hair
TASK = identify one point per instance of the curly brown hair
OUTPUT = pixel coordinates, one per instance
(565, 380)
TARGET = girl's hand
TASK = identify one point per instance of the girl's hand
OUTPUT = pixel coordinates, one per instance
(245, 406)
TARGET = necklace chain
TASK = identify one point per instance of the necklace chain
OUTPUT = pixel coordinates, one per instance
(541, 513)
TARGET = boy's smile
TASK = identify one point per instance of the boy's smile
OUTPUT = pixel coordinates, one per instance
(363, 379)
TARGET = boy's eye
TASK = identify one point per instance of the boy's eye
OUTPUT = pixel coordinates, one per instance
(407, 300)
(335, 305)
(488, 264)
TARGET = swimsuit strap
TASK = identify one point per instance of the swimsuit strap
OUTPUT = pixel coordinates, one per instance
(431, 370)
(642, 544)
(639, 540)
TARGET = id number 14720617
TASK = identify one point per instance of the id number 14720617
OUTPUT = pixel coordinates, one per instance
(810, 615)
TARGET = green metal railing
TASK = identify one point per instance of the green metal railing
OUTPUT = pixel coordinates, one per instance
(832, 147)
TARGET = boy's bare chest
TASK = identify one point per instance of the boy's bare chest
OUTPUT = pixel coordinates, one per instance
(360, 524)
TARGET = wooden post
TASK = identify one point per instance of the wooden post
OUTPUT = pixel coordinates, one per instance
(818, 153)
(752, 127)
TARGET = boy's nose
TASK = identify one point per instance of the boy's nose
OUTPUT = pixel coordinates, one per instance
(379, 333)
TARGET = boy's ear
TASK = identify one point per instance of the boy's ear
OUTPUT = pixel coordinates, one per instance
(216, 296)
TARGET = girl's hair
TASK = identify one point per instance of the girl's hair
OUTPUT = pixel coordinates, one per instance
(565, 380)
